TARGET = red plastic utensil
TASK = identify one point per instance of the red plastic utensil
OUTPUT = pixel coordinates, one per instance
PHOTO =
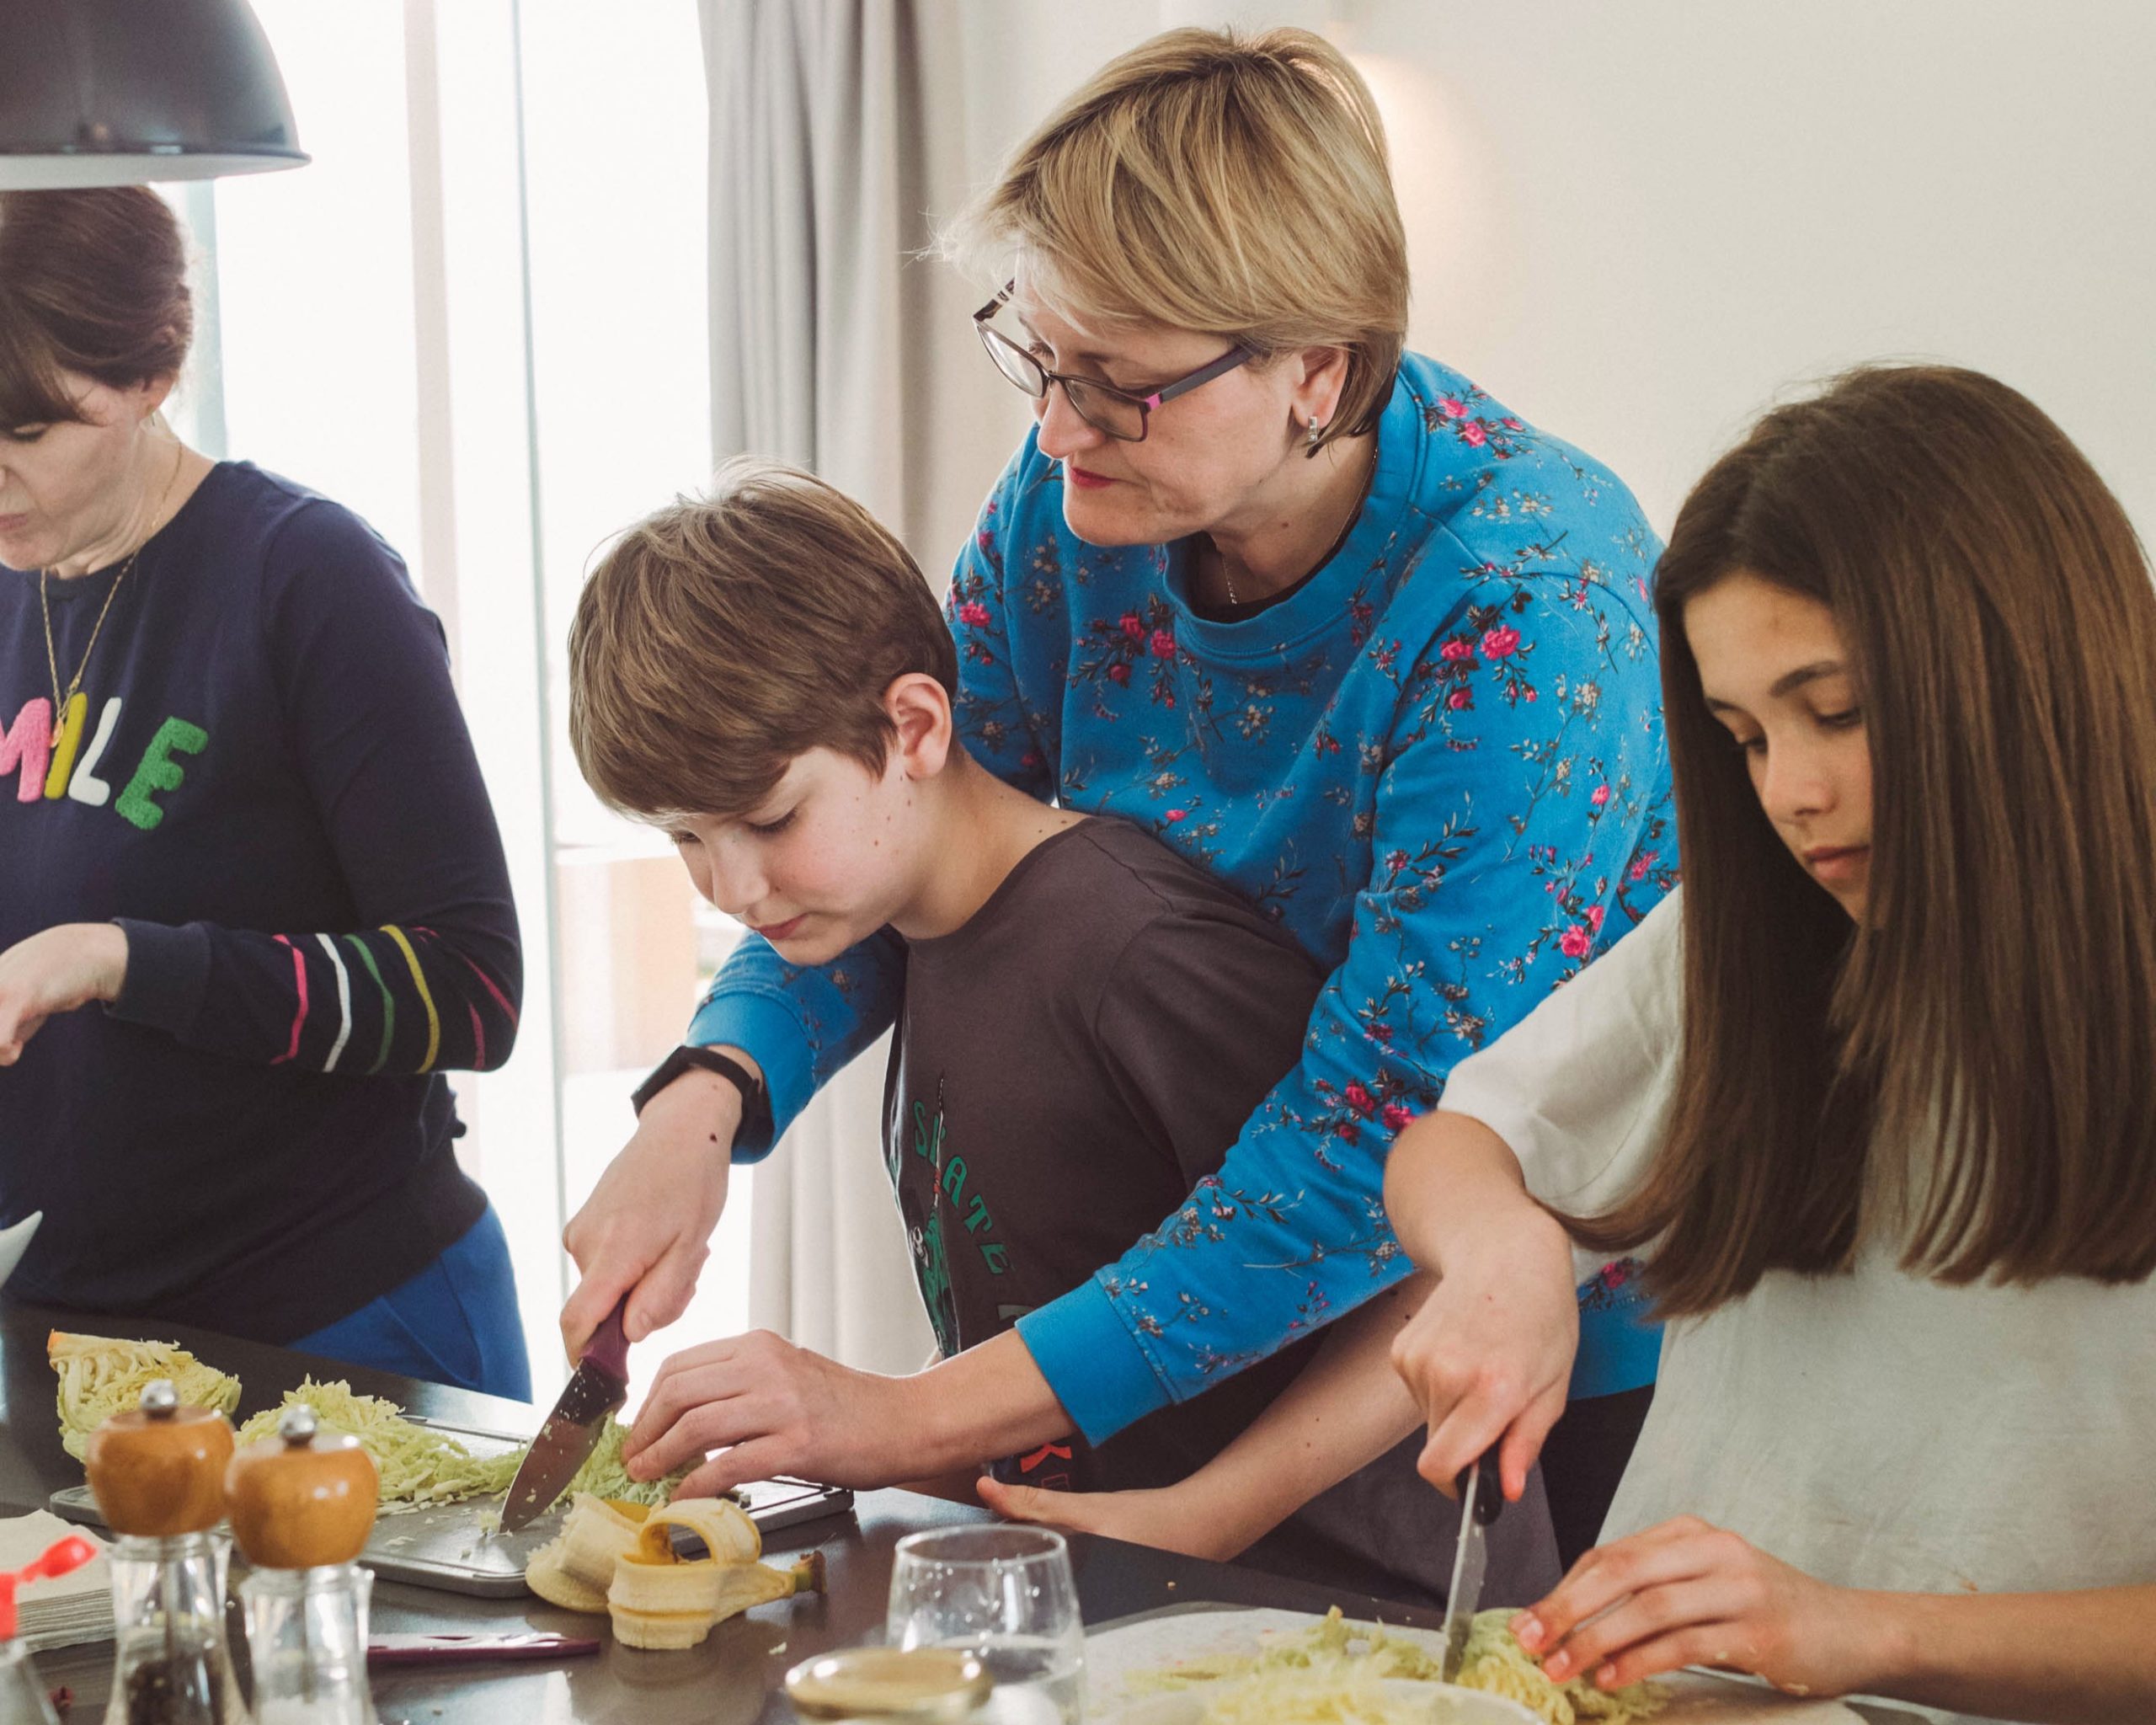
(53, 1563)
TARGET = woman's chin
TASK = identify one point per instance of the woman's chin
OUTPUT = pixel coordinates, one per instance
(1105, 518)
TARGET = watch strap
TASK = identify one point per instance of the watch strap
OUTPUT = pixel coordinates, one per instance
(755, 1101)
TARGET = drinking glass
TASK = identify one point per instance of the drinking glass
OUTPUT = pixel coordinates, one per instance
(1005, 1594)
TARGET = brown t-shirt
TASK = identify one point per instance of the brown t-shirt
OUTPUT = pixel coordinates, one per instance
(1065, 1068)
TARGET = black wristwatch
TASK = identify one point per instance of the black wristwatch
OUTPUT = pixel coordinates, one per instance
(755, 1100)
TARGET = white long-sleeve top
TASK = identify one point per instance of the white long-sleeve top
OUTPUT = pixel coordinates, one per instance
(1874, 1429)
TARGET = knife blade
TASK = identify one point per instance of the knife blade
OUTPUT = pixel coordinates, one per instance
(1481, 1501)
(599, 1387)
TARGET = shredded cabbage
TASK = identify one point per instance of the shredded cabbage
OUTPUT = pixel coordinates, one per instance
(418, 1465)
(603, 1475)
(1494, 1661)
(1332, 1674)
(1330, 1692)
(100, 1376)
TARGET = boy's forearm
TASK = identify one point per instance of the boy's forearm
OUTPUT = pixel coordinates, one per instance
(956, 1487)
(986, 1402)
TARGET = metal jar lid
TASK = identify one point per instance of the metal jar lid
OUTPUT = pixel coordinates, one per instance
(919, 1685)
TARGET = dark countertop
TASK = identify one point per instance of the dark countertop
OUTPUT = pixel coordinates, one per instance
(732, 1679)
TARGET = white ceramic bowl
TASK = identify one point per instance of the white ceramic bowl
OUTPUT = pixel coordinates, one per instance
(1433, 1703)
(15, 1241)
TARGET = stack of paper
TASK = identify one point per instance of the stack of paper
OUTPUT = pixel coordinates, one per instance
(76, 1608)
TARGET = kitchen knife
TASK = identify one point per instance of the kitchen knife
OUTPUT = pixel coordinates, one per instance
(599, 1387)
(1481, 1501)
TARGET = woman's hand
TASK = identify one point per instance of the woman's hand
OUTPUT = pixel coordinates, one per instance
(56, 971)
(1688, 1594)
(1165, 1520)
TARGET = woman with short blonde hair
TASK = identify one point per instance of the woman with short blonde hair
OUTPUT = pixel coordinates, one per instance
(1334, 623)
(1242, 192)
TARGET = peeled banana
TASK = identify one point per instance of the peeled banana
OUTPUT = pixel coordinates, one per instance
(545, 1576)
(575, 1567)
(658, 1599)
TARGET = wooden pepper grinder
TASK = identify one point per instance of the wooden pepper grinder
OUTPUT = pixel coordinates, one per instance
(302, 1504)
(158, 1473)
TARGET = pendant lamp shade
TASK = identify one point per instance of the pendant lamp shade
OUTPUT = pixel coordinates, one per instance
(123, 92)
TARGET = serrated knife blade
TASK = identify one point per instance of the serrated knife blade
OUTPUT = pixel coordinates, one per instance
(599, 1387)
(1481, 1500)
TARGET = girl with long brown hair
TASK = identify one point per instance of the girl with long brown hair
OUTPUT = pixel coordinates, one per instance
(1874, 1094)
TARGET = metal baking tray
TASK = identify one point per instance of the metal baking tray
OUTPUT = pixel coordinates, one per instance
(445, 1545)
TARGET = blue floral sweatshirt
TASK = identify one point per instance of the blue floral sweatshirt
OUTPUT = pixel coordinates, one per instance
(1439, 763)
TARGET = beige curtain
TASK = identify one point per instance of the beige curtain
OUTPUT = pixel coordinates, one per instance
(837, 140)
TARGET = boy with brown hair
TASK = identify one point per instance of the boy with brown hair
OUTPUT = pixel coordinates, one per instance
(1088, 1019)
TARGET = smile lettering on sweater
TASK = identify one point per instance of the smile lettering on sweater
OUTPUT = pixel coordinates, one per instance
(48, 767)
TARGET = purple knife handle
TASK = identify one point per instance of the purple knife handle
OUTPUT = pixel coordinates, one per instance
(609, 1347)
(479, 1649)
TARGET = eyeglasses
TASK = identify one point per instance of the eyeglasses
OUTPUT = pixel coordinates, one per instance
(1117, 412)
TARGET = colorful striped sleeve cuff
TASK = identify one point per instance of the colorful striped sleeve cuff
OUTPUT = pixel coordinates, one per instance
(394, 999)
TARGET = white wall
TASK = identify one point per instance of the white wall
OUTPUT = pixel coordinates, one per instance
(1637, 224)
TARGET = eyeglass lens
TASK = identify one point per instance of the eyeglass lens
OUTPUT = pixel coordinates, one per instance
(1014, 363)
(1115, 415)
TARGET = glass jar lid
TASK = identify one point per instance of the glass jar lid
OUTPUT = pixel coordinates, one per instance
(914, 1683)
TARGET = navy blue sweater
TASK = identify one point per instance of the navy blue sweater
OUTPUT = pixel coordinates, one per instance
(267, 782)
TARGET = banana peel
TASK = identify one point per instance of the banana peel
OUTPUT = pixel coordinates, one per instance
(728, 1535)
(658, 1599)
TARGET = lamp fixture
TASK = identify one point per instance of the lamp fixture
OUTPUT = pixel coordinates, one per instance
(123, 92)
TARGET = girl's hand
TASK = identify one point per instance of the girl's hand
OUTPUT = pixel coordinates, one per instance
(1490, 1353)
(1688, 1594)
(1165, 1520)
(56, 971)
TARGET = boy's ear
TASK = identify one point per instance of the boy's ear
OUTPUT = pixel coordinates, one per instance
(921, 709)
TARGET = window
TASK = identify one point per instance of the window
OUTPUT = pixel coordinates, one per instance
(477, 318)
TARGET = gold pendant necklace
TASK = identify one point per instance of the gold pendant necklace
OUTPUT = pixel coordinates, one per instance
(61, 698)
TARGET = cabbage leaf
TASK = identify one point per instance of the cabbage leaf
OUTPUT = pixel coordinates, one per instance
(100, 1376)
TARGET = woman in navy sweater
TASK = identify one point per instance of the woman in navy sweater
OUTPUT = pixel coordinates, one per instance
(246, 820)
